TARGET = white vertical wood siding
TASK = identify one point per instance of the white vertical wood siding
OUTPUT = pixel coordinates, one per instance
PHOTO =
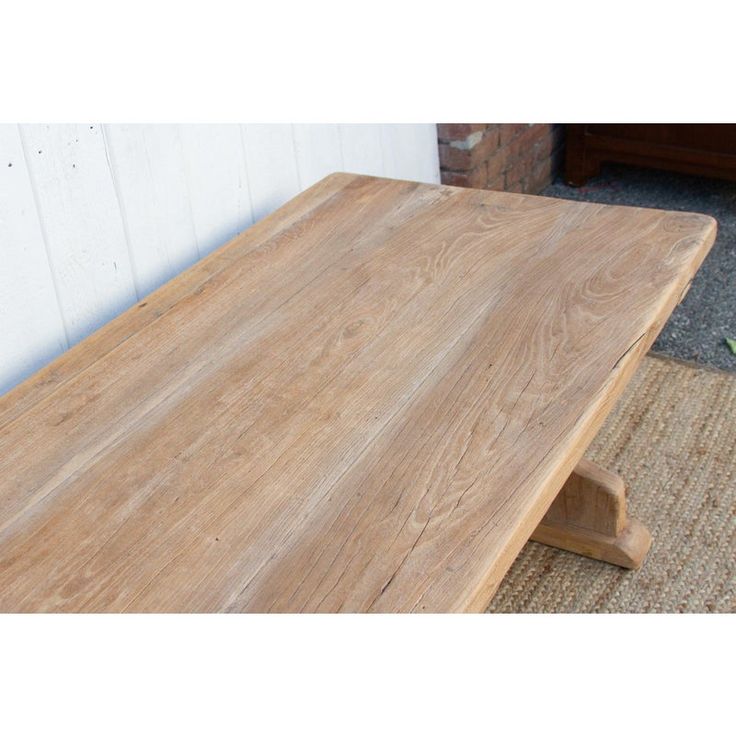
(94, 217)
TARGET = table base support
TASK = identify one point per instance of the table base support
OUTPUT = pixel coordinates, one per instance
(589, 517)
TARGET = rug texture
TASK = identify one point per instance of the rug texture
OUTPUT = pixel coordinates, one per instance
(672, 438)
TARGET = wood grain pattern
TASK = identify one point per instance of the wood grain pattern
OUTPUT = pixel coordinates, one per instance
(592, 498)
(365, 402)
(94, 217)
(589, 517)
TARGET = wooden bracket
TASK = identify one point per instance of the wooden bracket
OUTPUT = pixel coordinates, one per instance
(589, 517)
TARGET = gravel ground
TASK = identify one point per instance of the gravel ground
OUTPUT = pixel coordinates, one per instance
(698, 327)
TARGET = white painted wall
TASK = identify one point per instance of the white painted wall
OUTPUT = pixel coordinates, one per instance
(94, 217)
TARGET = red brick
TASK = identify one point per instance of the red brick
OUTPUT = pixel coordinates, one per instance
(549, 143)
(498, 184)
(538, 132)
(498, 163)
(540, 176)
(454, 178)
(488, 145)
(476, 178)
(523, 145)
(454, 158)
(543, 129)
(544, 148)
(514, 186)
(458, 131)
(464, 159)
(493, 133)
(509, 131)
(517, 174)
(516, 157)
(519, 169)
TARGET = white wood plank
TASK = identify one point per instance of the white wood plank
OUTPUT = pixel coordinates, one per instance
(151, 181)
(361, 149)
(31, 327)
(271, 163)
(217, 180)
(81, 219)
(126, 208)
(410, 152)
(317, 152)
(428, 155)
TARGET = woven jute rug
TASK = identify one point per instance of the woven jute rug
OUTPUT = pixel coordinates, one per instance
(672, 438)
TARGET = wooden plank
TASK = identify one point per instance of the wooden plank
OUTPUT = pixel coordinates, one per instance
(81, 356)
(369, 404)
(428, 166)
(703, 150)
(318, 152)
(592, 498)
(589, 517)
(81, 219)
(150, 177)
(628, 549)
(271, 163)
(362, 151)
(217, 183)
(181, 191)
(401, 144)
(31, 327)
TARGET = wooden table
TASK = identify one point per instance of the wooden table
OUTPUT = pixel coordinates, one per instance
(701, 149)
(366, 402)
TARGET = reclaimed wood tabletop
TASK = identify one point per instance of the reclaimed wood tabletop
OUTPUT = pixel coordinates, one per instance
(365, 402)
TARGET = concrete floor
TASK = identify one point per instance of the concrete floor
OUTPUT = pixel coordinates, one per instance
(698, 327)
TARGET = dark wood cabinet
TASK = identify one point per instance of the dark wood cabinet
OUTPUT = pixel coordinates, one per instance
(701, 149)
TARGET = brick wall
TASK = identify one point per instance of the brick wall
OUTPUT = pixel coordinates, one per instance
(511, 157)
